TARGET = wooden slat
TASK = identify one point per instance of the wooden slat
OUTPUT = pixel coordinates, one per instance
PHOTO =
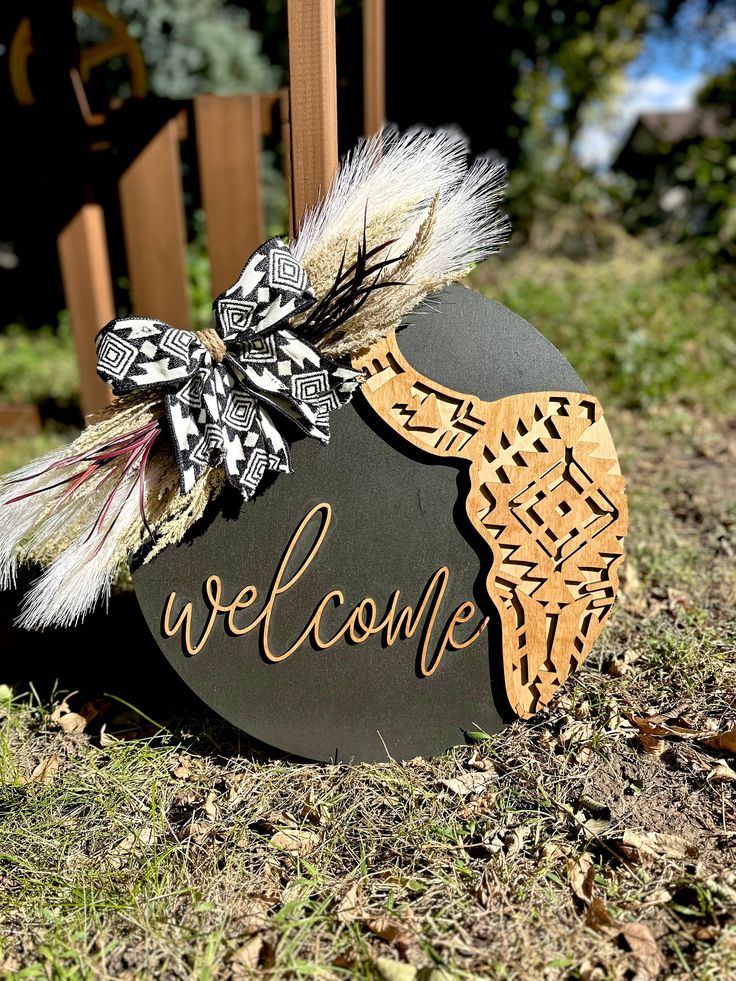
(19, 420)
(268, 104)
(286, 153)
(85, 271)
(229, 152)
(154, 230)
(374, 65)
(313, 94)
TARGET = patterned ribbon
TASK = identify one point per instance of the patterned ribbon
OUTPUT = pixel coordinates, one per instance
(218, 411)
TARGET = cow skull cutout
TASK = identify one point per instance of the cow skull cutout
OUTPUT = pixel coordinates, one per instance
(546, 496)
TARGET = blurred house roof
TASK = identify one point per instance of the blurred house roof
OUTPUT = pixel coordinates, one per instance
(654, 134)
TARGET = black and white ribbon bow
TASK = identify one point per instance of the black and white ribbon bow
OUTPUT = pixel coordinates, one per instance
(218, 411)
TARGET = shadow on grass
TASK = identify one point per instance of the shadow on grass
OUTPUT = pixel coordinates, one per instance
(112, 662)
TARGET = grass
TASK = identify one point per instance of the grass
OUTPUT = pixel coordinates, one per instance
(597, 841)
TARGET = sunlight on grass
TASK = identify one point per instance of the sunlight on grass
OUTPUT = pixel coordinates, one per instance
(133, 849)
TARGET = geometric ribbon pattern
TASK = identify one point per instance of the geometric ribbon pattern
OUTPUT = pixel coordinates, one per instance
(219, 412)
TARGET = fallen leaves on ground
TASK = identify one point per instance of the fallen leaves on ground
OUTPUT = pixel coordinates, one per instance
(68, 721)
(637, 937)
(468, 783)
(655, 730)
(642, 846)
(45, 770)
(722, 773)
(350, 907)
(247, 957)
(296, 841)
(582, 877)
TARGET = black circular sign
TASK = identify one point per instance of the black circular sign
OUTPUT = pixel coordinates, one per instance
(357, 537)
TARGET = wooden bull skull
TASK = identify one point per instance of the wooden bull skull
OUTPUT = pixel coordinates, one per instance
(546, 496)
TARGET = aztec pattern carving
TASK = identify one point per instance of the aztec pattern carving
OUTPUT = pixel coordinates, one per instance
(547, 497)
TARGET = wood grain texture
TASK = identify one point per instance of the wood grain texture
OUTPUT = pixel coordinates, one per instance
(229, 152)
(19, 420)
(374, 66)
(313, 97)
(546, 496)
(85, 272)
(154, 230)
(285, 120)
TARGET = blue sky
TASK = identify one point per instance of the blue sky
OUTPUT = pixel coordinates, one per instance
(666, 75)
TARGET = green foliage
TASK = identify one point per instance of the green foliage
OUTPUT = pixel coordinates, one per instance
(687, 192)
(643, 328)
(576, 58)
(17, 451)
(192, 46)
(720, 90)
(707, 172)
(38, 365)
(199, 274)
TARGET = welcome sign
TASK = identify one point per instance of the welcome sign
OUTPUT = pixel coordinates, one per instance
(357, 608)
(352, 542)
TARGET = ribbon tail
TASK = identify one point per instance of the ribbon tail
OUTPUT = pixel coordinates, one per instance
(197, 436)
(251, 444)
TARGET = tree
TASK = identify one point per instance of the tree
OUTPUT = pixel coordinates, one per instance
(192, 46)
(719, 90)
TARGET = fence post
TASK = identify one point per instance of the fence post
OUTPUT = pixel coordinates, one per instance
(154, 230)
(313, 101)
(85, 272)
(228, 133)
(374, 66)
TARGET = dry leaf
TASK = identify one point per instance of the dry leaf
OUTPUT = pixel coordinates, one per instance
(313, 811)
(515, 840)
(250, 915)
(622, 665)
(45, 770)
(592, 827)
(296, 841)
(199, 831)
(388, 929)
(246, 958)
(670, 725)
(211, 809)
(643, 946)
(65, 719)
(725, 741)
(468, 783)
(582, 877)
(652, 745)
(105, 738)
(591, 970)
(658, 897)
(478, 804)
(599, 919)
(395, 971)
(640, 845)
(722, 773)
(350, 906)
(125, 846)
(181, 771)
(479, 762)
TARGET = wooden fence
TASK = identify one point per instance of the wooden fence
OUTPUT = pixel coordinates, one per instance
(228, 132)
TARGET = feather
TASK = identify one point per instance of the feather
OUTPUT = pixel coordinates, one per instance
(416, 193)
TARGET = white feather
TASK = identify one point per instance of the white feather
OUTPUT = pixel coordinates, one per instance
(81, 575)
(18, 519)
(391, 170)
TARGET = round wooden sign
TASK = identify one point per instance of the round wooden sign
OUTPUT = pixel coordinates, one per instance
(439, 567)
